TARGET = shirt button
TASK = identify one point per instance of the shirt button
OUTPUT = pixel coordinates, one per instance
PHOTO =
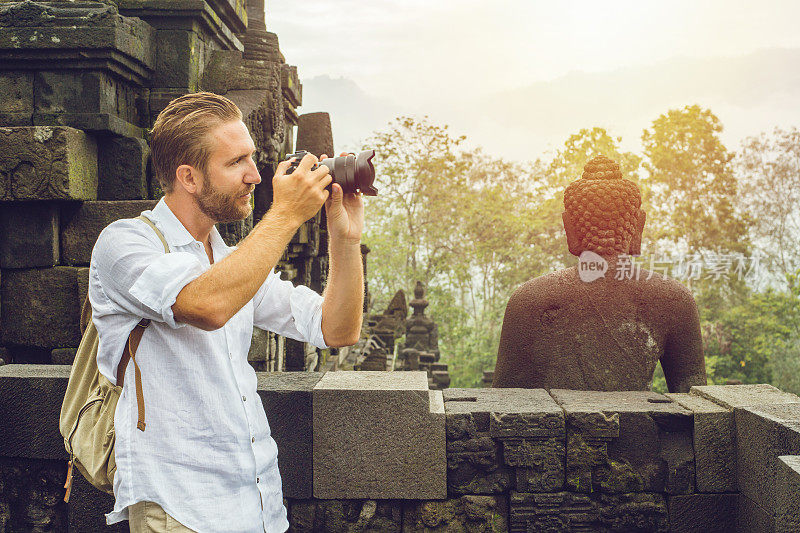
(252, 439)
(244, 398)
(258, 479)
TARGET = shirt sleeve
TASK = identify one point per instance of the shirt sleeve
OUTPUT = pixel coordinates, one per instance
(294, 312)
(136, 276)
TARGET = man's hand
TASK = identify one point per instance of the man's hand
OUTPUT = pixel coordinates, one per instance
(300, 195)
(345, 214)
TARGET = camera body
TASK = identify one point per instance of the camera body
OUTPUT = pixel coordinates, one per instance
(354, 173)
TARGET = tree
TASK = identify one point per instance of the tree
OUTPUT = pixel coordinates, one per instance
(693, 189)
(419, 176)
(768, 168)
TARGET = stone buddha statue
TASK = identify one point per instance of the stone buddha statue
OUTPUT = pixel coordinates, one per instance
(600, 325)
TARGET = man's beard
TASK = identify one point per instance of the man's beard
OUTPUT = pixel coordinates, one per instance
(220, 206)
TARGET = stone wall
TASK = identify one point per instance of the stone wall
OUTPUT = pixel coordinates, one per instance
(379, 451)
(80, 85)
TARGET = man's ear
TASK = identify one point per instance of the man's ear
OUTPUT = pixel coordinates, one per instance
(636, 240)
(573, 243)
(189, 178)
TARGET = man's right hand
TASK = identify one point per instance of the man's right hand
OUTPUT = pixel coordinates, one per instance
(300, 195)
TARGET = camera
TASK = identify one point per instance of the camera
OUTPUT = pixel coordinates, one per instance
(354, 173)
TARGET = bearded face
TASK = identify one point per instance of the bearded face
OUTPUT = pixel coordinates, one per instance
(224, 206)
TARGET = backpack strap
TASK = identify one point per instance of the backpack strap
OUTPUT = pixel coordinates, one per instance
(129, 353)
(158, 231)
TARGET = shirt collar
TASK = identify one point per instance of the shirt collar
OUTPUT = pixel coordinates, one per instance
(172, 228)
(176, 233)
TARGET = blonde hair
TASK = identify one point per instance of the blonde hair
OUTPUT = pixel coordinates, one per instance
(178, 136)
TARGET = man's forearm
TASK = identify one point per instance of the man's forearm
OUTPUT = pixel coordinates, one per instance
(219, 293)
(344, 295)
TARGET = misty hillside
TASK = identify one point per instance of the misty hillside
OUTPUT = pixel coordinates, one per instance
(749, 94)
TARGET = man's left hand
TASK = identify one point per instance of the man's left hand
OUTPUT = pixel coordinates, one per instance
(345, 214)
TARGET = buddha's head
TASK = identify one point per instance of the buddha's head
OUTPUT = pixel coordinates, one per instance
(602, 211)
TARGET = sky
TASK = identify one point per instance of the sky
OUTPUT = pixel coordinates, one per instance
(416, 56)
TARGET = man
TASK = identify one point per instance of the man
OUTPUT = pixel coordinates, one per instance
(585, 328)
(205, 460)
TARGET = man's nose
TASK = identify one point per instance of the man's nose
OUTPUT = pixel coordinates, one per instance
(252, 175)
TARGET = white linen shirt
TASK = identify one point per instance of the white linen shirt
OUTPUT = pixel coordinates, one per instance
(206, 455)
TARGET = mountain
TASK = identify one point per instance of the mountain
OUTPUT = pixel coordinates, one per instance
(750, 94)
(354, 113)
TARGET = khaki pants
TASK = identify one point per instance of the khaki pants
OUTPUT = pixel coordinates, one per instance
(149, 517)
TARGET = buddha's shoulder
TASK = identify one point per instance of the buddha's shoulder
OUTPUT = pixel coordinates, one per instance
(559, 284)
(547, 286)
(662, 285)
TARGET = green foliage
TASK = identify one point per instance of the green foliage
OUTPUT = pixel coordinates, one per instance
(754, 340)
(693, 190)
(768, 168)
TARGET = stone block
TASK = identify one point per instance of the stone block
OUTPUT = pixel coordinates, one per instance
(180, 59)
(233, 232)
(227, 71)
(763, 434)
(47, 163)
(378, 435)
(29, 235)
(483, 423)
(30, 400)
(32, 495)
(714, 443)
(474, 461)
(510, 412)
(703, 513)
(83, 284)
(221, 18)
(30, 355)
(752, 518)
(89, 64)
(314, 134)
(75, 36)
(787, 488)
(539, 462)
(63, 356)
(82, 225)
(160, 97)
(287, 400)
(737, 396)
(652, 451)
(16, 106)
(40, 307)
(87, 508)
(87, 100)
(345, 516)
(569, 511)
(467, 513)
(291, 87)
(258, 354)
(122, 168)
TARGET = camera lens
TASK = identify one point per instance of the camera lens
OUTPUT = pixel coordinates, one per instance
(353, 173)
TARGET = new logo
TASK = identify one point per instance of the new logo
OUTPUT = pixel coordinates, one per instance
(591, 266)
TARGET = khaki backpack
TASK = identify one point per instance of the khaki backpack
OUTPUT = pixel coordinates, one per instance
(87, 414)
